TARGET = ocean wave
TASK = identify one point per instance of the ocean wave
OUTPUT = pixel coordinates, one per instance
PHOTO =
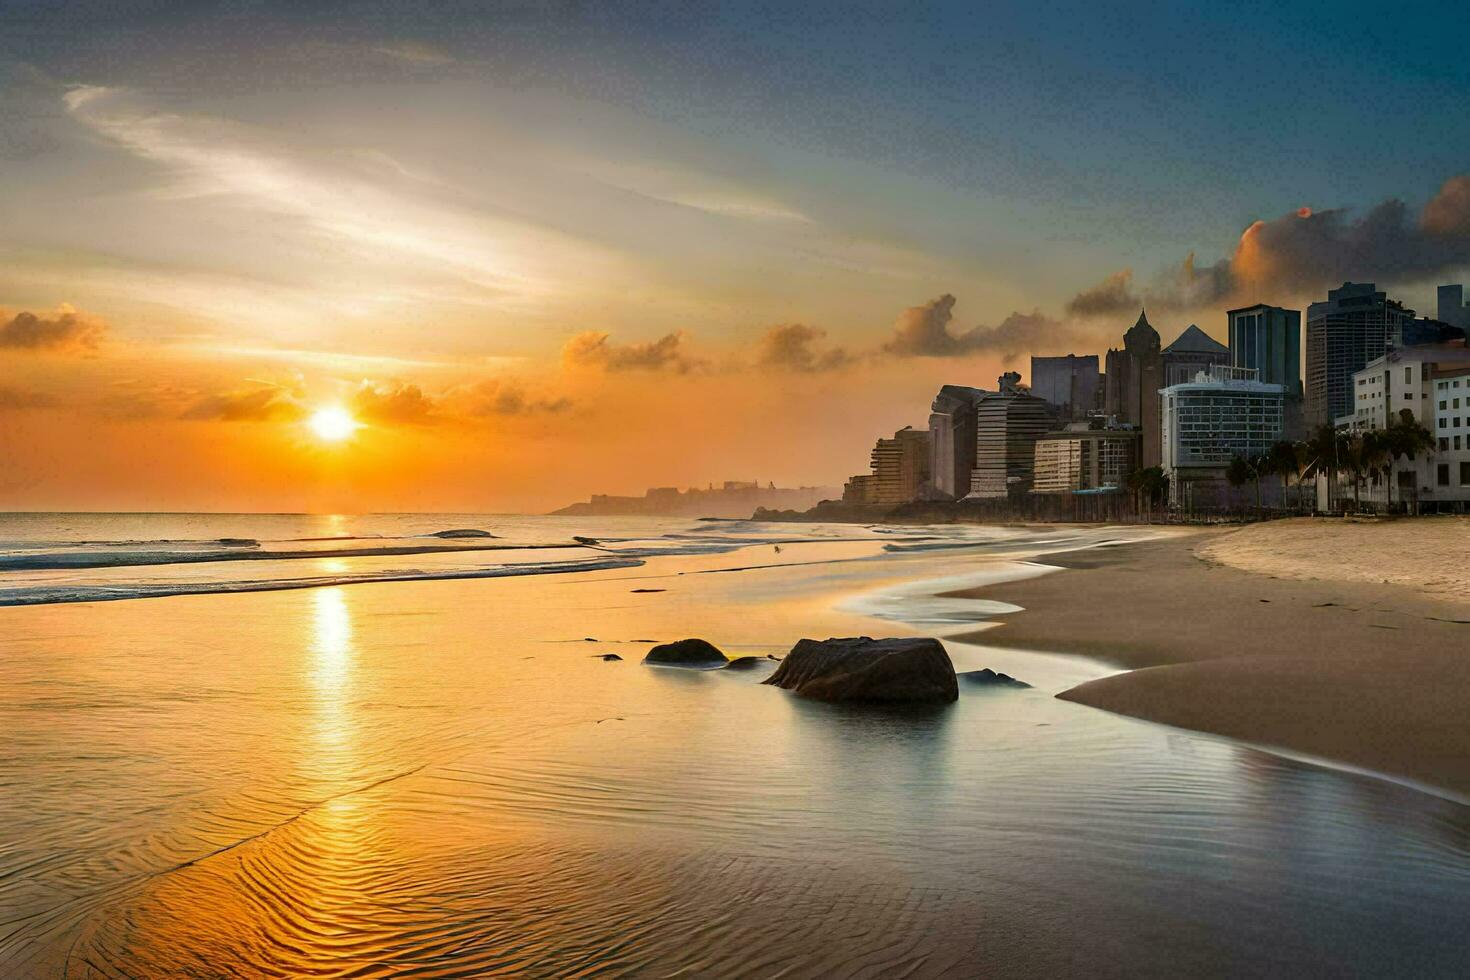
(40, 595)
(63, 560)
(935, 546)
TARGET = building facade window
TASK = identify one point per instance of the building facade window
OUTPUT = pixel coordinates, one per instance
(1442, 474)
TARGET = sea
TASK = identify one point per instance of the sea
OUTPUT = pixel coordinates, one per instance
(425, 745)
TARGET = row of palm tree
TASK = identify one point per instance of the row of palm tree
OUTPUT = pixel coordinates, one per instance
(1331, 452)
(1150, 486)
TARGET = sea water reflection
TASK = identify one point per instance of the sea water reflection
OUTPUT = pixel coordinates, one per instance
(331, 680)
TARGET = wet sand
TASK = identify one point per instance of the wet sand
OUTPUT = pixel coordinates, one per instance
(1370, 674)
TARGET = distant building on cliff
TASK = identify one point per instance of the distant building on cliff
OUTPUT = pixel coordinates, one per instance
(900, 470)
(952, 439)
(734, 498)
(1133, 379)
(1209, 421)
(1068, 383)
(1191, 352)
(1354, 325)
(1083, 458)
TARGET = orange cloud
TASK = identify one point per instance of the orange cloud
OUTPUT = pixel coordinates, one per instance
(789, 347)
(22, 399)
(254, 404)
(1112, 295)
(592, 348)
(394, 403)
(66, 331)
(1306, 251)
(1448, 214)
(923, 331)
(503, 398)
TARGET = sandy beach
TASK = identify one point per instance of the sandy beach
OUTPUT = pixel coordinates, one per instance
(1340, 640)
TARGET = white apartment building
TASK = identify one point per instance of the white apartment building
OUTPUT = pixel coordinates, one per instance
(1433, 382)
(1209, 421)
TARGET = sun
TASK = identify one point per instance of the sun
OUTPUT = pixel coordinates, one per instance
(332, 423)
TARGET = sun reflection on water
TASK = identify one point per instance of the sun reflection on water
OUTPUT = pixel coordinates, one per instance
(333, 658)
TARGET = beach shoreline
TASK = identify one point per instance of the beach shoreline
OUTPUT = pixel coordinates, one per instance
(1233, 633)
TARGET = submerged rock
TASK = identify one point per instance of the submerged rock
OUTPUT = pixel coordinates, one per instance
(686, 653)
(583, 540)
(985, 677)
(899, 670)
(239, 542)
(462, 532)
(746, 663)
(607, 656)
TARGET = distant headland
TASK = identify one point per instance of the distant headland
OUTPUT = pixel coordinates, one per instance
(733, 498)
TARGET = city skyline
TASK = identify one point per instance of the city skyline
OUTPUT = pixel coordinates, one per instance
(514, 279)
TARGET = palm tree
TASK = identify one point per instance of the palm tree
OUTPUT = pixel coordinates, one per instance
(1284, 459)
(1157, 484)
(1239, 471)
(1243, 468)
(1405, 437)
(1352, 455)
(1372, 455)
(1325, 452)
(1150, 484)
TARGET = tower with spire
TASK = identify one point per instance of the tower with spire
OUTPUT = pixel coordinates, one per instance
(1134, 376)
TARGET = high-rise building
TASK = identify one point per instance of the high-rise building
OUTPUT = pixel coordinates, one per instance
(1006, 429)
(900, 470)
(1452, 308)
(1134, 376)
(1068, 383)
(1422, 330)
(1355, 324)
(858, 489)
(952, 439)
(1080, 458)
(1269, 340)
(1209, 421)
(1191, 352)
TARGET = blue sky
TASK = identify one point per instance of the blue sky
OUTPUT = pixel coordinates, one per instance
(312, 197)
(1145, 125)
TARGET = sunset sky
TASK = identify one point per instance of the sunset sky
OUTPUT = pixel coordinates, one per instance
(540, 250)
